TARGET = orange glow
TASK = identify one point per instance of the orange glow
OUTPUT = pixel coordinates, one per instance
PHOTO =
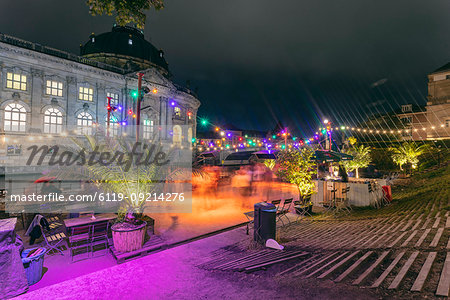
(217, 128)
(154, 91)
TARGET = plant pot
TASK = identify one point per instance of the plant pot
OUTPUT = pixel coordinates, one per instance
(128, 237)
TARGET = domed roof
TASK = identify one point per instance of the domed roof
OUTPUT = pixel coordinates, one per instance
(125, 41)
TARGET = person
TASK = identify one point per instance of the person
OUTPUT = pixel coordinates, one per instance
(343, 173)
(268, 177)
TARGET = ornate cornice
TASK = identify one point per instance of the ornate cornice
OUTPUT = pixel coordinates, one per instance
(37, 73)
(71, 79)
(101, 86)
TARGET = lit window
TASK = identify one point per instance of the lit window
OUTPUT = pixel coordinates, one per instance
(407, 108)
(177, 111)
(53, 121)
(14, 150)
(114, 98)
(148, 129)
(54, 88)
(447, 123)
(407, 120)
(15, 118)
(130, 42)
(113, 125)
(85, 93)
(177, 135)
(16, 81)
(84, 123)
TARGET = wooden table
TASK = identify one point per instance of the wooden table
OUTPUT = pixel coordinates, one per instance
(88, 220)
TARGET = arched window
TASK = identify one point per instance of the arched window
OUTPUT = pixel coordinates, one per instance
(177, 135)
(84, 123)
(53, 121)
(147, 129)
(113, 125)
(15, 117)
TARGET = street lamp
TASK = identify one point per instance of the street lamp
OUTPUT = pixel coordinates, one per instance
(328, 127)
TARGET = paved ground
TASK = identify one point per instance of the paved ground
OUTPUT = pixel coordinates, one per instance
(173, 274)
(401, 251)
(211, 212)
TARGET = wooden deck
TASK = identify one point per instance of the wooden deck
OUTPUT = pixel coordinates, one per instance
(155, 243)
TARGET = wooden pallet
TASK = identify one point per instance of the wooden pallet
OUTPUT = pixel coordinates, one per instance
(155, 243)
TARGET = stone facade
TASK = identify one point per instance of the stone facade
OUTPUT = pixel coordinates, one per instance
(27, 69)
(431, 122)
(438, 105)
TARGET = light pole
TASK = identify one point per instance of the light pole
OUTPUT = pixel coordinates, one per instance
(328, 126)
(109, 116)
(138, 106)
(285, 134)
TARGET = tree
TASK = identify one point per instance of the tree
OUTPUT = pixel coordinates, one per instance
(270, 163)
(408, 153)
(361, 158)
(297, 167)
(127, 11)
(352, 140)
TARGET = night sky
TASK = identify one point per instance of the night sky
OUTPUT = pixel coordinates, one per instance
(257, 62)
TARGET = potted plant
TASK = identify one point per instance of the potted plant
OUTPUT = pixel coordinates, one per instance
(297, 166)
(129, 178)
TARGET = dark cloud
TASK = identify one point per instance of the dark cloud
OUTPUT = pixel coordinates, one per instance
(259, 61)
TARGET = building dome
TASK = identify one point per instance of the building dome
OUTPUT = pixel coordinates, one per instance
(125, 47)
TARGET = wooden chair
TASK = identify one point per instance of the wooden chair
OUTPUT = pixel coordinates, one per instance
(99, 236)
(282, 210)
(250, 215)
(374, 195)
(53, 240)
(79, 238)
(342, 203)
(53, 222)
(301, 210)
(276, 203)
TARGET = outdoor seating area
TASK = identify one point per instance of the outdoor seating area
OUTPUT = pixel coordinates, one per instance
(288, 211)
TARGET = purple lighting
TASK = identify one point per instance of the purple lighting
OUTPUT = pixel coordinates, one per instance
(173, 103)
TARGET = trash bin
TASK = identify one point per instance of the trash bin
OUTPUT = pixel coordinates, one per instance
(33, 264)
(264, 222)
